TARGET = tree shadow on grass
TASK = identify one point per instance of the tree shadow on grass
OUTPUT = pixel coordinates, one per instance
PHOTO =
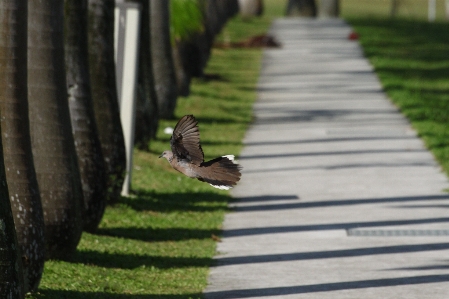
(62, 294)
(167, 202)
(159, 234)
(208, 77)
(133, 261)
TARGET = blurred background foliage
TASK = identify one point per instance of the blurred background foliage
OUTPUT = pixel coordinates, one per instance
(186, 18)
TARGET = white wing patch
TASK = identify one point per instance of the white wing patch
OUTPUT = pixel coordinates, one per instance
(221, 187)
(231, 157)
(168, 130)
(224, 187)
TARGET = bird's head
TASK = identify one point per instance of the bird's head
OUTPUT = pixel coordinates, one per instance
(167, 155)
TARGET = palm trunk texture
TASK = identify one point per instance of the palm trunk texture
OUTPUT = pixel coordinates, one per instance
(104, 93)
(12, 69)
(51, 133)
(20, 174)
(87, 144)
(147, 117)
(161, 53)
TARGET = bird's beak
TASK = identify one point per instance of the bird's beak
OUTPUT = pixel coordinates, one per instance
(161, 155)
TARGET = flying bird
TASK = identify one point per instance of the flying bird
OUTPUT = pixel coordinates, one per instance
(187, 157)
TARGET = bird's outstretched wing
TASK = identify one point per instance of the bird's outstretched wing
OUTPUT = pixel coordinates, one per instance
(185, 141)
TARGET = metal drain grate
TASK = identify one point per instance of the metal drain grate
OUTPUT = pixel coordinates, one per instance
(396, 233)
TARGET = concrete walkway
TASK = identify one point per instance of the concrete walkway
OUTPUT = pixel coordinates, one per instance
(339, 198)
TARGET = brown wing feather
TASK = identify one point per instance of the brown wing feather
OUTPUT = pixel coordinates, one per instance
(185, 141)
(219, 172)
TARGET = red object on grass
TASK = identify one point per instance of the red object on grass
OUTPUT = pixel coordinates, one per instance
(353, 36)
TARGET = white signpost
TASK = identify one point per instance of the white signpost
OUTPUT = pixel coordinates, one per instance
(432, 10)
(126, 41)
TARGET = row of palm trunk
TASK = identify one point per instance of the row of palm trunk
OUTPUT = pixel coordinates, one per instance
(63, 151)
(309, 8)
(63, 155)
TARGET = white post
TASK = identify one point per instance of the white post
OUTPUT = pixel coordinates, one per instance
(127, 25)
(432, 10)
(447, 9)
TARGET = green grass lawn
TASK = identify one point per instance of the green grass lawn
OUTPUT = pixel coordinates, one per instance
(411, 58)
(159, 242)
(408, 9)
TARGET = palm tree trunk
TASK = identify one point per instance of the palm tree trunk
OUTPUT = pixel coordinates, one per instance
(329, 9)
(250, 8)
(147, 116)
(12, 69)
(183, 78)
(20, 174)
(11, 271)
(394, 8)
(51, 132)
(161, 53)
(87, 144)
(104, 92)
(301, 8)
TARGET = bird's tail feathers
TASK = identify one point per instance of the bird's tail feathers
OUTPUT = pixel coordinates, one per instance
(222, 172)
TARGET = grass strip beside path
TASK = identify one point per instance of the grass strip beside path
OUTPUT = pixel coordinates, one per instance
(159, 243)
(411, 58)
